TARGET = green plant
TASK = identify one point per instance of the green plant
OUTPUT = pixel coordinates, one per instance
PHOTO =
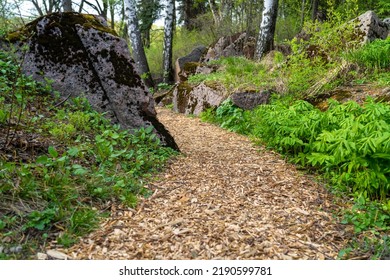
(79, 164)
(375, 55)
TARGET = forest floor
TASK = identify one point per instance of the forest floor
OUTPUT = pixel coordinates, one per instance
(224, 198)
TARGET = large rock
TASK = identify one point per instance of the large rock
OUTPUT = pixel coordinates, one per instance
(193, 100)
(83, 57)
(190, 59)
(371, 27)
(235, 45)
(250, 100)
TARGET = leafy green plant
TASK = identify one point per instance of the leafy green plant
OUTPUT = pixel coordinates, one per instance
(80, 164)
(375, 55)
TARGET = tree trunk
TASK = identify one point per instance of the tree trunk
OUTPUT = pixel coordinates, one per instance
(168, 38)
(136, 42)
(112, 14)
(265, 41)
(314, 11)
(214, 11)
(67, 5)
(303, 13)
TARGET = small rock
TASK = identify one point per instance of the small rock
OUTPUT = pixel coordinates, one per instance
(7, 239)
(16, 249)
(1, 249)
(41, 256)
(57, 255)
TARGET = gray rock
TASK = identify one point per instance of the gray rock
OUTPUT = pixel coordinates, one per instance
(235, 45)
(194, 56)
(194, 100)
(250, 100)
(163, 98)
(371, 27)
(83, 57)
(16, 249)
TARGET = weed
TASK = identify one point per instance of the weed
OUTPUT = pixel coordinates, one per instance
(81, 165)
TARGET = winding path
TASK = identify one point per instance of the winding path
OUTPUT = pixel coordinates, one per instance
(224, 199)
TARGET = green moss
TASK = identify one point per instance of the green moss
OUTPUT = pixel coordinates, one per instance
(62, 21)
(190, 67)
(183, 90)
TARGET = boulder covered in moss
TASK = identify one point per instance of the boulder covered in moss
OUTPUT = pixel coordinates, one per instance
(187, 64)
(83, 57)
(192, 100)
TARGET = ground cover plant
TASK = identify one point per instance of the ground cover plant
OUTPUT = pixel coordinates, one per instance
(348, 144)
(62, 165)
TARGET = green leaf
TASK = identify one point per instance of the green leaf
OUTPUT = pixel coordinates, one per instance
(73, 151)
(149, 129)
(53, 152)
(42, 159)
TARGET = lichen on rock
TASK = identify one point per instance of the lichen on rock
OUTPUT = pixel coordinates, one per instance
(81, 55)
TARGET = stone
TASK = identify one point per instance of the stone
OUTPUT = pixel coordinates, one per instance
(193, 100)
(371, 27)
(57, 255)
(16, 249)
(250, 100)
(163, 98)
(235, 45)
(83, 57)
(193, 57)
(206, 69)
(188, 69)
(41, 256)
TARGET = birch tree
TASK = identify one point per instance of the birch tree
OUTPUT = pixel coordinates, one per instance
(265, 40)
(136, 41)
(168, 38)
(66, 5)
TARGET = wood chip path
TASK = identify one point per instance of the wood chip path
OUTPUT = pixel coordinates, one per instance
(224, 199)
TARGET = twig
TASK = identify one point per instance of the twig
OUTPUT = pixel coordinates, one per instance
(63, 101)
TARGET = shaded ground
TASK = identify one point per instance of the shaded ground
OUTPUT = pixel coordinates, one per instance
(225, 199)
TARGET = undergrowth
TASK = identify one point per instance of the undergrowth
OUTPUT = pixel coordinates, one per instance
(349, 144)
(63, 166)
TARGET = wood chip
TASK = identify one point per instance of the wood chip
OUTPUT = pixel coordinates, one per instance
(225, 199)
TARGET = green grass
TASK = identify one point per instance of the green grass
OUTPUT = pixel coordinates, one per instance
(237, 73)
(72, 166)
(375, 55)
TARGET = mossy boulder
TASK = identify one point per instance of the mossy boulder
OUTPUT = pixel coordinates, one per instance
(192, 100)
(186, 65)
(82, 56)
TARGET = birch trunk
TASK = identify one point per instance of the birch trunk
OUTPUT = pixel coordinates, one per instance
(168, 39)
(265, 40)
(214, 11)
(136, 41)
(67, 5)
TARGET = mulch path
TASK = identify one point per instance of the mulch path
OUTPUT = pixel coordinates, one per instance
(225, 198)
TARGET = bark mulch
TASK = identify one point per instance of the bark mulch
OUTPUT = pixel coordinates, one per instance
(225, 198)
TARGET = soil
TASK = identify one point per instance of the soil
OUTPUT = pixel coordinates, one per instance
(224, 198)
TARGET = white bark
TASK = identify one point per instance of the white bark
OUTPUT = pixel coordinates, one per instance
(136, 42)
(265, 39)
(67, 5)
(168, 39)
